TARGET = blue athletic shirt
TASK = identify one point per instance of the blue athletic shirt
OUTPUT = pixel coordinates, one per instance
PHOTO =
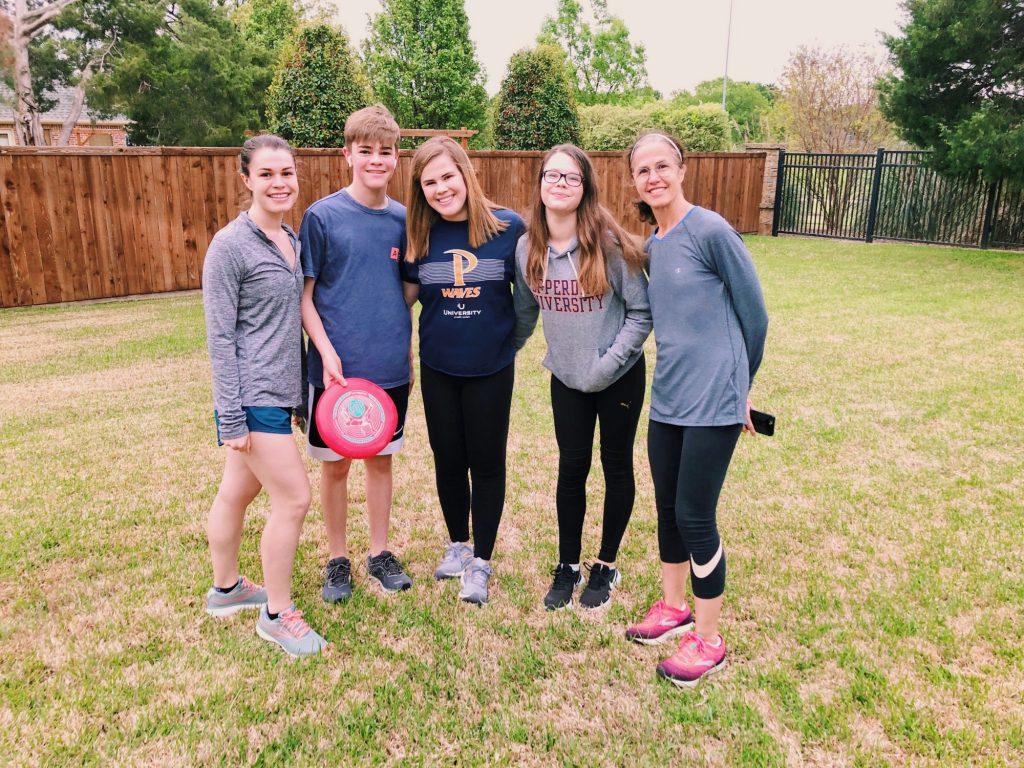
(354, 253)
(467, 318)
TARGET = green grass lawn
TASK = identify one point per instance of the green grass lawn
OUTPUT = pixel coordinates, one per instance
(876, 587)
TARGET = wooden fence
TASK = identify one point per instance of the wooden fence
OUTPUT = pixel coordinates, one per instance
(89, 223)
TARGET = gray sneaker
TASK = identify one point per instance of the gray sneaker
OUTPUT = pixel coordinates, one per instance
(474, 581)
(337, 580)
(387, 571)
(290, 631)
(243, 595)
(456, 557)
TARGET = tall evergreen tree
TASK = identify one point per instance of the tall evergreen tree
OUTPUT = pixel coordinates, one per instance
(535, 108)
(423, 66)
(960, 85)
(319, 84)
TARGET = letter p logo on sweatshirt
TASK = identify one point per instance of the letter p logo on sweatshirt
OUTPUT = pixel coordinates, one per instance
(459, 268)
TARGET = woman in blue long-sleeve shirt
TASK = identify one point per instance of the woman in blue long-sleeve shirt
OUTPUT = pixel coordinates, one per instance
(709, 326)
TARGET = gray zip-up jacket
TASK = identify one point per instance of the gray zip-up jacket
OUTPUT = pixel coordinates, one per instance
(592, 340)
(251, 299)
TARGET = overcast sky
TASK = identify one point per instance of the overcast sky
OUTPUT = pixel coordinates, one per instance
(685, 39)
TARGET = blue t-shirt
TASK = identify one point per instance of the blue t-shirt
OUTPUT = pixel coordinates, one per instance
(354, 253)
(467, 319)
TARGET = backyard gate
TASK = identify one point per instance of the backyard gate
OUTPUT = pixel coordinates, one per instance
(893, 195)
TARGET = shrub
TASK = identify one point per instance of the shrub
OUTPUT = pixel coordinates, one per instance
(701, 128)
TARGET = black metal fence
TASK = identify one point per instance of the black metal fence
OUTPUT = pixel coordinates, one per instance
(893, 195)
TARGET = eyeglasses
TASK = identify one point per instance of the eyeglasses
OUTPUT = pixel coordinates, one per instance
(553, 177)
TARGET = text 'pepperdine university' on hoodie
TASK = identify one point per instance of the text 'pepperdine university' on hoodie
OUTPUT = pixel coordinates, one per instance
(592, 340)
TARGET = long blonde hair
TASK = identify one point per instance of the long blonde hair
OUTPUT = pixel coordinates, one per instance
(596, 230)
(420, 217)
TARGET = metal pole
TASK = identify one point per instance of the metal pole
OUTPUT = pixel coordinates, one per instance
(777, 212)
(876, 183)
(728, 39)
(990, 207)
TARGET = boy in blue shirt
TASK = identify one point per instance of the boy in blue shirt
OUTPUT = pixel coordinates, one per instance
(353, 309)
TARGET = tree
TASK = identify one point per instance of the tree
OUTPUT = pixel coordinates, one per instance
(423, 66)
(196, 81)
(831, 103)
(268, 23)
(960, 85)
(319, 85)
(66, 43)
(747, 104)
(608, 68)
(535, 108)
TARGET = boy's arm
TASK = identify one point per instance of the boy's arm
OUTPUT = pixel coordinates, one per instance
(315, 330)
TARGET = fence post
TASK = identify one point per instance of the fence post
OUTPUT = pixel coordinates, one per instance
(876, 183)
(990, 206)
(778, 193)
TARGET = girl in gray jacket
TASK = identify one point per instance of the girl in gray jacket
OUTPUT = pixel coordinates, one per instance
(580, 269)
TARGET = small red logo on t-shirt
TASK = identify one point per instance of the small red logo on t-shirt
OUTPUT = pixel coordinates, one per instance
(394, 254)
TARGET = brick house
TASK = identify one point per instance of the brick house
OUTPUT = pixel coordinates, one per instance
(91, 131)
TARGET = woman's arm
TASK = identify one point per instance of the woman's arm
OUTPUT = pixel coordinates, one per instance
(736, 269)
(637, 324)
(222, 279)
(525, 304)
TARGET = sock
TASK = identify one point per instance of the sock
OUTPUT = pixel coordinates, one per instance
(272, 616)
(224, 591)
(575, 567)
(715, 644)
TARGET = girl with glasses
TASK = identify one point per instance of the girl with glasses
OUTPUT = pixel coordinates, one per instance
(578, 268)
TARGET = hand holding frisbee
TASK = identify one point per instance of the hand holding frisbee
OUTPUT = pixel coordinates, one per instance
(357, 419)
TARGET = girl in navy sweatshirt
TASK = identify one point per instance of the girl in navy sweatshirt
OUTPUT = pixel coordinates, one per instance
(580, 270)
(460, 264)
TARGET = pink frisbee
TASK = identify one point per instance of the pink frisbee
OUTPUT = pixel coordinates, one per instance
(357, 420)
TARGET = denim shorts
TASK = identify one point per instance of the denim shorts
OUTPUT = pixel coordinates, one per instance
(263, 418)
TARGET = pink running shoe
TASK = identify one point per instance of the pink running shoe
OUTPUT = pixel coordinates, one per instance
(694, 659)
(662, 623)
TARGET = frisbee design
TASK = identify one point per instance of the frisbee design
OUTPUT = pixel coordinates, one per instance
(357, 420)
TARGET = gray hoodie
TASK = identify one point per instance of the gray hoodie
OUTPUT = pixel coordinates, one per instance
(592, 340)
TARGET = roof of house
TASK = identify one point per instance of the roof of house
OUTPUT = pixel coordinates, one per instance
(60, 111)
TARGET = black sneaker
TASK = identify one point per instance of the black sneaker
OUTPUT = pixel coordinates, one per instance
(338, 580)
(599, 588)
(387, 571)
(565, 581)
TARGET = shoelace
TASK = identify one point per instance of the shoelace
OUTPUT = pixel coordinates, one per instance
(564, 577)
(600, 576)
(293, 623)
(248, 586)
(389, 563)
(477, 577)
(655, 612)
(339, 573)
(692, 647)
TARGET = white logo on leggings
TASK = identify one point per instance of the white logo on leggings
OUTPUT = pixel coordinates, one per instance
(703, 571)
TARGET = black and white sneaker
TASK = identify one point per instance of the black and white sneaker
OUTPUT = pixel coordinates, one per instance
(562, 586)
(338, 580)
(600, 585)
(387, 571)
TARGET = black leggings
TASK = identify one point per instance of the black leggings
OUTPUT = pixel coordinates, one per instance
(688, 465)
(617, 408)
(467, 421)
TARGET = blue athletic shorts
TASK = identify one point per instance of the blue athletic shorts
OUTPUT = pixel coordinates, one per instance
(263, 418)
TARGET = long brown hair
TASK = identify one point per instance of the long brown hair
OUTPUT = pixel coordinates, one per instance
(642, 208)
(596, 230)
(420, 217)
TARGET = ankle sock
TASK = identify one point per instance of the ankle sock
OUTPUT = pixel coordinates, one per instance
(272, 616)
(224, 591)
